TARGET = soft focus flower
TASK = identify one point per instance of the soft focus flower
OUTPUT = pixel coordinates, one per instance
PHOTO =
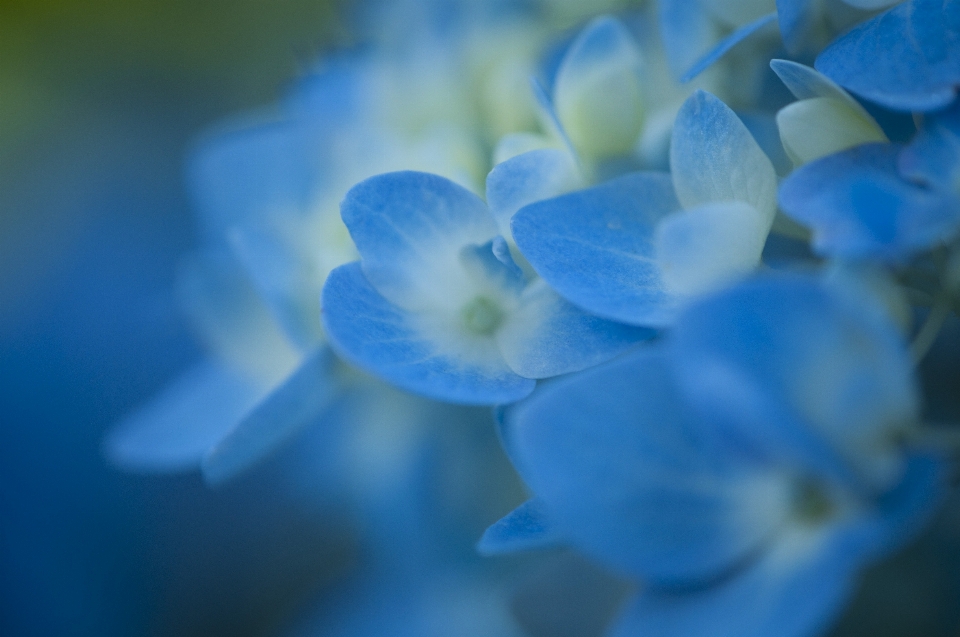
(745, 469)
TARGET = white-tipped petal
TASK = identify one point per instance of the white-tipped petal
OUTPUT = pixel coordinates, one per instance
(706, 247)
(598, 93)
(814, 128)
(806, 82)
(714, 158)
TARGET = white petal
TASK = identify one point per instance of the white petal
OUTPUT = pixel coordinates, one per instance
(706, 247)
(814, 128)
(598, 93)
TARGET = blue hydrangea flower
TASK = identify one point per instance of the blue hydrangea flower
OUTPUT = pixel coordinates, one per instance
(744, 470)
(438, 306)
(907, 58)
(631, 249)
(267, 191)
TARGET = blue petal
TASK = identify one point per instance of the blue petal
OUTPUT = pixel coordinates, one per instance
(332, 94)
(298, 402)
(526, 527)
(709, 246)
(687, 32)
(904, 511)
(858, 206)
(713, 158)
(726, 44)
(791, 591)
(374, 335)
(547, 336)
(614, 455)
(766, 599)
(763, 128)
(595, 247)
(933, 157)
(410, 227)
(907, 58)
(524, 179)
(803, 373)
(174, 430)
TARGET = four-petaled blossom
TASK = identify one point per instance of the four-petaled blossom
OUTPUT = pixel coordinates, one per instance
(437, 305)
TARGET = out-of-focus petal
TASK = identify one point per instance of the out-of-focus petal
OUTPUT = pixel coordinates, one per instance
(177, 427)
(232, 319)
(769, 598)
(804, 371)
(821, 126)
(802, 581)
(859, 207)
(727, 43)
(597, 92)
(736, 13)
(933, 157)
(614, 455)
(295, 404)
(526, 527)
(240, 174)
(524, 179)
(688, 33)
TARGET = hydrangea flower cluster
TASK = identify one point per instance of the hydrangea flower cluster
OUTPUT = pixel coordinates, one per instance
(694, 274)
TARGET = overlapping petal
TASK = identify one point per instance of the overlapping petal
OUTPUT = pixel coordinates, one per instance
(859, 207)
(907, 58)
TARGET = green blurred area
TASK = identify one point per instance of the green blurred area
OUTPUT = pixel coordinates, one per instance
(73, 73)
(56, 52)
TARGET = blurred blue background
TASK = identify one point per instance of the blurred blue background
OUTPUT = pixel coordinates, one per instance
(99, 101)
(99, 104)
